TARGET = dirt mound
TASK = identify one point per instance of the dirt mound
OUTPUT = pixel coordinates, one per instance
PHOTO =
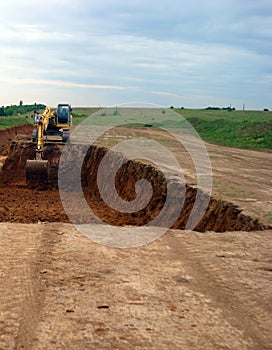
(220, 216)
(7, 135)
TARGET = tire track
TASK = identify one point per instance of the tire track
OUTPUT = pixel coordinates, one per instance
(17, 253)
(226, 273)
(40, 271)
(25, 260)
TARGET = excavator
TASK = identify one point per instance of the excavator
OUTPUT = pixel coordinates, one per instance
(53, 126)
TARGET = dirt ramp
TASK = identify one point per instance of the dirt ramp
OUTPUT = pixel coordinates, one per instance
(219, 216)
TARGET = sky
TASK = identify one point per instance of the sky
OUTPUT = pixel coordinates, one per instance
(190, 54)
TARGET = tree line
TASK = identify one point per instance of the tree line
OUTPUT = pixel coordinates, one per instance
(20, 109)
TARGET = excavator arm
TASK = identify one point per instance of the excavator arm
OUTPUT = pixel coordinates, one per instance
(38, 168)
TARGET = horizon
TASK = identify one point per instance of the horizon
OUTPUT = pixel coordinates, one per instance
(211, 108)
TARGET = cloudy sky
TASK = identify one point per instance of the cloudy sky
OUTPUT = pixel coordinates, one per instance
(189, 53)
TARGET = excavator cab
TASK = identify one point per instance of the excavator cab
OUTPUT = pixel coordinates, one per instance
(64, 114)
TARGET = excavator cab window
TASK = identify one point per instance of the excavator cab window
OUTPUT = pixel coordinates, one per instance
(63, 114)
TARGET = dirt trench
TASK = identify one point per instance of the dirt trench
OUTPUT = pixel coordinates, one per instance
(7, 135)
(42, 203)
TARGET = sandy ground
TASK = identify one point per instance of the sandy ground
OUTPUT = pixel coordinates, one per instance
(60, 290)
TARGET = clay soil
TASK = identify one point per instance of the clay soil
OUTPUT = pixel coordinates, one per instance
(60, 290)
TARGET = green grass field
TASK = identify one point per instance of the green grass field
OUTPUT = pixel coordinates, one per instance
(241, 129)
(81, 113)
(7, 122)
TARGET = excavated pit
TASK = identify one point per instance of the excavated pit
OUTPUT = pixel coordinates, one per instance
(38, 202)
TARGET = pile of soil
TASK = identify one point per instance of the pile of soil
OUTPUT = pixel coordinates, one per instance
(32, 205)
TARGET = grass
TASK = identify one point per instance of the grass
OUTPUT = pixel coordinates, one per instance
(232, 116)
(81, 113)
(135, 117)
(7, 122)
(241, 134)
(241, 129)
(269, 217)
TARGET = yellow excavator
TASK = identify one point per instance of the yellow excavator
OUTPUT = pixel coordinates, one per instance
(53, 126)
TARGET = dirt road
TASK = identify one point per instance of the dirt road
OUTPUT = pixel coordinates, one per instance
(59, 290)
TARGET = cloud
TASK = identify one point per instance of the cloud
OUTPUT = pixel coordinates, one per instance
(63, 84)
(164, 93)
(144, 49)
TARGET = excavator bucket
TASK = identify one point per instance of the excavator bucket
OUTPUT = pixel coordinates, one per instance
(37, 172)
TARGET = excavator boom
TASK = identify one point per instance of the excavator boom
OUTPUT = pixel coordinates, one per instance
(37, 169)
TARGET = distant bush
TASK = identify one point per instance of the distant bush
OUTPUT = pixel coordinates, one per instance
(213, 108)
(228, 109)
(116, 112)
(220, 109)
(266, 110)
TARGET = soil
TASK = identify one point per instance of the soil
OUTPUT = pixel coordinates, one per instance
(59, 290)
(7, 135)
